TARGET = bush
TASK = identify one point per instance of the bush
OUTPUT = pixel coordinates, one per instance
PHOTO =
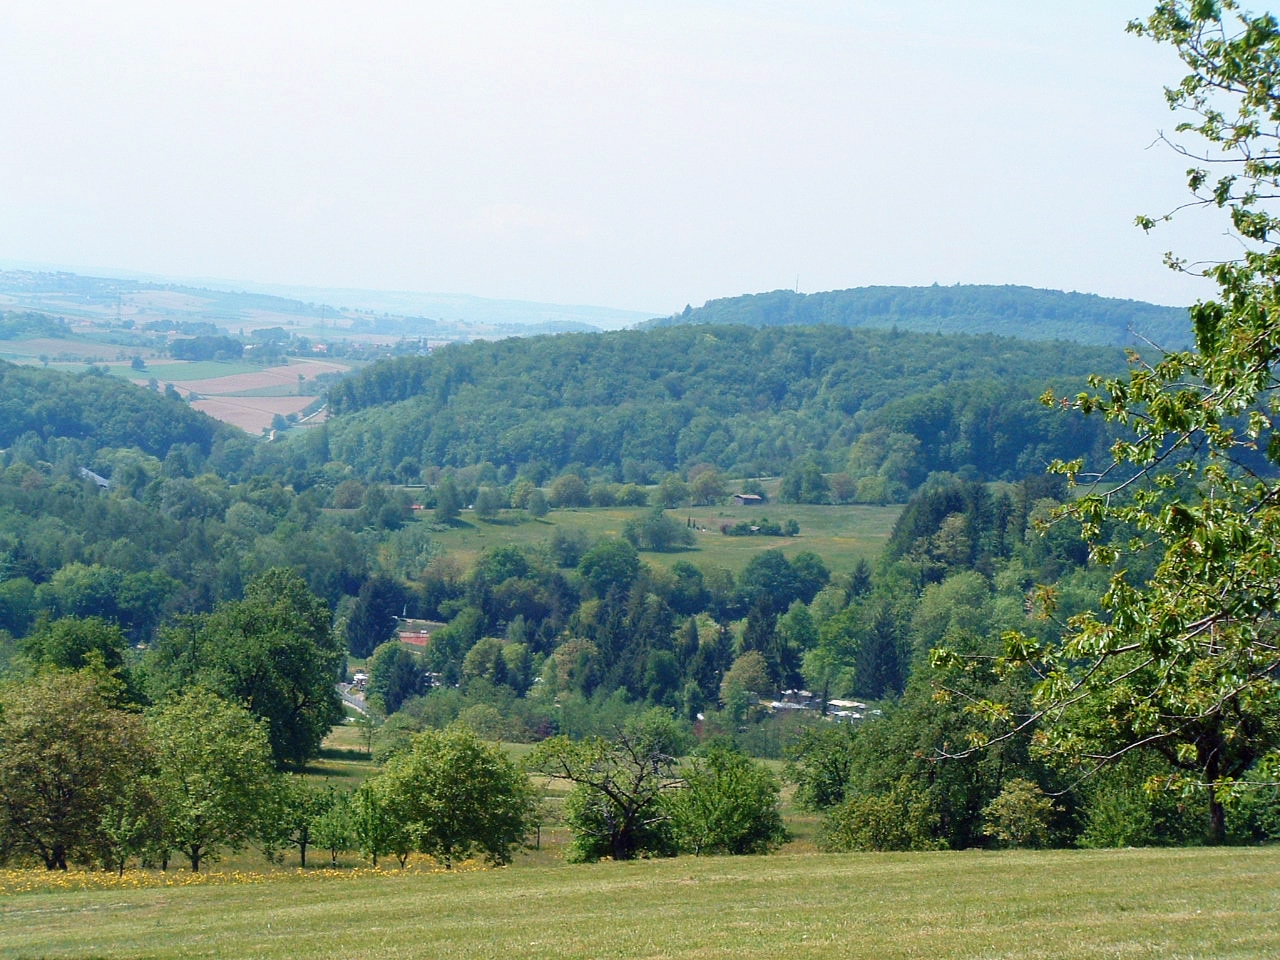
(1020, 816)
(762, 527)
(728, 805)
(902, 819)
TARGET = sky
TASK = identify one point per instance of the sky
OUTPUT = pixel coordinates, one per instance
(637, 155)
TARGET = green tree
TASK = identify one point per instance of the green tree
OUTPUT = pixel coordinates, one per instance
(615, 808)
(214, 779)
(132, 825)
(748, 676)
(820, 762)
(332, 828)
(17, 605)
(569, 490)
(66, 754)
(671, 492)
(689, 594)
(771, 580)
(1186, 663)
(374, 825)
(798, 628)
(395, 675)
(73, 643)
(657, 531)
(707, 487)
(728, 804)
(297, 806)
(610, 564)
(274, 651)
(457, 797)
(805, 483)
(488, 503)
(537, 504)
(373, 615)
(448, 501)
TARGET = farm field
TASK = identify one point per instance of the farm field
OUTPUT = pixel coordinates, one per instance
(222, 378)
(244, 395)
(841, 535)
(1221, 903)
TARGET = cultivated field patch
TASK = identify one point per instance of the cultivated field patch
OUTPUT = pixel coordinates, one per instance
(251, 414)
(210, 381)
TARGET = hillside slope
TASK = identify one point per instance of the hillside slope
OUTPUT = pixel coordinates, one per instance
(93, 406)
(639, 403)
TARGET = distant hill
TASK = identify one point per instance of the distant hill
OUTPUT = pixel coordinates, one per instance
(466, 309)
(327, 313)
(635, 404)
(1010, 311)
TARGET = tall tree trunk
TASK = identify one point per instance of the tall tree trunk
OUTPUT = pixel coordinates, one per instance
(1217, 822)
(1210, 751)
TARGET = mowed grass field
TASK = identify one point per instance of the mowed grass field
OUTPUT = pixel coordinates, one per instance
(1167, 904)
(841, 535)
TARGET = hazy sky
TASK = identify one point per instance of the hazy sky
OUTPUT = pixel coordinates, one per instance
(641, 155)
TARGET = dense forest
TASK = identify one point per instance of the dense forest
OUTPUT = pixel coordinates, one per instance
(1006, 311)
(96, 407)
(635, 405)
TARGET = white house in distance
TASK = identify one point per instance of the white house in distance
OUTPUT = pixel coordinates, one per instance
(801, 700)
(847, 709)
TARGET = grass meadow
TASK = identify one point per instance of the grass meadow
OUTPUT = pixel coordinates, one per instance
(841, 535)
(191, 370)
(1169, 904)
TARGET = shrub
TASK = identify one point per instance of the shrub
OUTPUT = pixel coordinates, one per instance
(902, 819)
(728, 805)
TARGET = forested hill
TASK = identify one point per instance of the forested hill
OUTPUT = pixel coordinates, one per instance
(750, 401)
(97, 407)
(1008, 311)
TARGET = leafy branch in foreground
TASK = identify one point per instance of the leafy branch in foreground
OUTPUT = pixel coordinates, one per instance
(1185, 661)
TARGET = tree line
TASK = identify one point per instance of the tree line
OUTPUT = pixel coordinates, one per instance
(87, 779)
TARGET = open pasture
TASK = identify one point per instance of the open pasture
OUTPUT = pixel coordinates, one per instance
(841, 535)
(1168, 904)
